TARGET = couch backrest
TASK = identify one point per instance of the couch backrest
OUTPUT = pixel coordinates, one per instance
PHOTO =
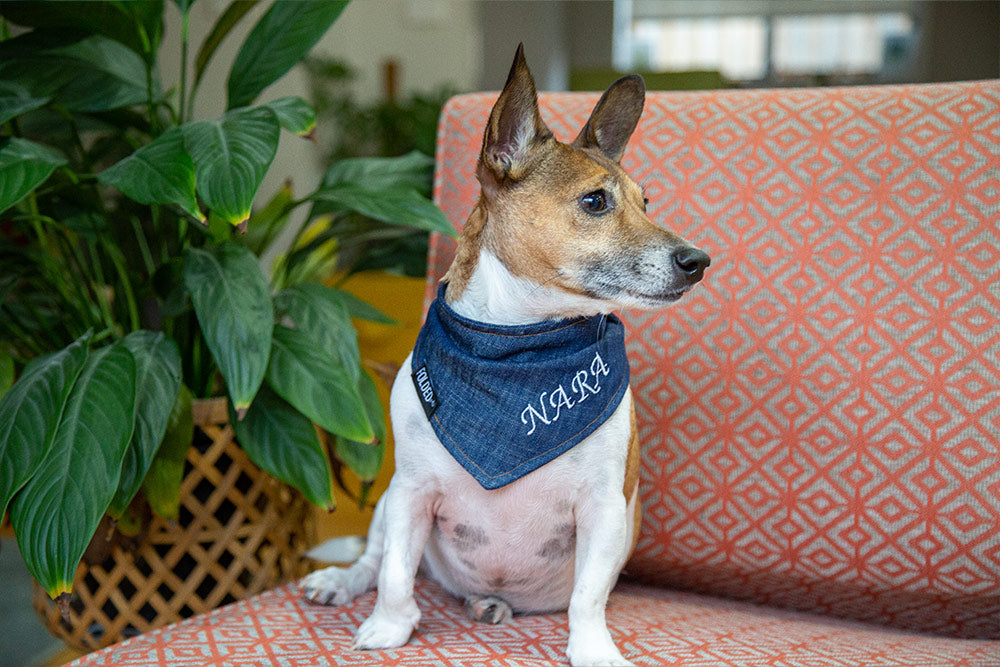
(820, 417)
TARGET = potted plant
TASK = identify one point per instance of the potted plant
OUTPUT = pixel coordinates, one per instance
(131, 282)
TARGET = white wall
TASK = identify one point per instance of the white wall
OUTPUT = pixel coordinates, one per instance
(436, 43)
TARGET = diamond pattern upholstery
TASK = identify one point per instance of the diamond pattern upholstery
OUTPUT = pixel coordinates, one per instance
(652, 626)
(820, 416)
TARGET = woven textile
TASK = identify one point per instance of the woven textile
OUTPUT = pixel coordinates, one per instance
(820, 416)
(651, 626)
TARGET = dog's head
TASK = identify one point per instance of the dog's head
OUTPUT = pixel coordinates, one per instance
(567, 215)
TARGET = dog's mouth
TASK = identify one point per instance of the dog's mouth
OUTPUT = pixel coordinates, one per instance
(626, 295)
(668, 296)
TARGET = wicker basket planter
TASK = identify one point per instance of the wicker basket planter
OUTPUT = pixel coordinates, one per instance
(240, 532)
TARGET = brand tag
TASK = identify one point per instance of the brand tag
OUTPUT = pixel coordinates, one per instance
(425, 390)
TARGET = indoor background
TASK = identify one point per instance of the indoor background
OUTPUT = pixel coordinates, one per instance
(427, 49)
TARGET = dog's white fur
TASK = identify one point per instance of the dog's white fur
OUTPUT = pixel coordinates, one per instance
(516, 541)
(556, 538)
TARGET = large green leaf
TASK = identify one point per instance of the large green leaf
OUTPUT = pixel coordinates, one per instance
(157, 381)
(294, 114)
(29, 414)
(315, 382)
(108, 76)
(281, 38)
(92, 74)
(284, 443)
(16, 100)
(232, 300)
(373, 173)
(57, 512)
(121, 21)
(24, 165)
(162, 485)
(365, 458)
(231, 156)
(161, 172)
(319, 314)
(399, 205)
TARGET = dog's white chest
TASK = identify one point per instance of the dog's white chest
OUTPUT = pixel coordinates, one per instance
(519, 541)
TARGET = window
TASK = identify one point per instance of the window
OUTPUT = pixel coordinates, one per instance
(736, 46)
(836, 43)
(785, 39)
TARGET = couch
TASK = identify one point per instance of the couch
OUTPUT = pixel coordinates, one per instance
(820, 417)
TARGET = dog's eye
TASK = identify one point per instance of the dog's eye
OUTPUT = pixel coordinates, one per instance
(595, 202)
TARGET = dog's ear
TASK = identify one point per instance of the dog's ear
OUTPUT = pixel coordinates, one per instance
(614, 117)
(515, 125)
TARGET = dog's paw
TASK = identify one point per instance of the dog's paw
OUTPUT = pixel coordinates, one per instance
(383, 631)
(332, 586)
(593, 652)
(488, 609)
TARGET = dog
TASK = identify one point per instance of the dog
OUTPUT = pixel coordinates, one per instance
(501, 517)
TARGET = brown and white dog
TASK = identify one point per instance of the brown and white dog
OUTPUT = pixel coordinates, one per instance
(560, 231)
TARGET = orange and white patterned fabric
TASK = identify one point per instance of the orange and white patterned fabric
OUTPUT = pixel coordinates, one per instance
(652, 626)
(820, 417)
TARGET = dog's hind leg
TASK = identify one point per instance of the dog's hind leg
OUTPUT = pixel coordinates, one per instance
(338, 585)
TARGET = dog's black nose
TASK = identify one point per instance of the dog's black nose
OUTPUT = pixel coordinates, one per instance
(692, 262)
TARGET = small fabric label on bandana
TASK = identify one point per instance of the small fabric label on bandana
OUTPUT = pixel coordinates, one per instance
(425, 390)
(505, 400)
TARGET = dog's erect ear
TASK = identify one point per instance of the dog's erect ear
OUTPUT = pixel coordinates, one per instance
(515, 124)
(614, 117)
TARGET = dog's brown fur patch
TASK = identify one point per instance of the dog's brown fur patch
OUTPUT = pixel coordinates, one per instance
(467, 254)
(632, 477)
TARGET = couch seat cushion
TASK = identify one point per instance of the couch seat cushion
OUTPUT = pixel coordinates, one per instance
(652, 626)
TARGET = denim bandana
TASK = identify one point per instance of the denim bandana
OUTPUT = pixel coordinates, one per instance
(506, 400)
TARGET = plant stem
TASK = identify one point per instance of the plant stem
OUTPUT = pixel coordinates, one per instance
(36, 223)
(283, 269)
(98, 287)
(53, 254)
(23, 337)
(75, 131)
(197, 372)
(182, 232)
(149, 59)
(133, 308)
(140, 238)
(69, 255)
(185, 19)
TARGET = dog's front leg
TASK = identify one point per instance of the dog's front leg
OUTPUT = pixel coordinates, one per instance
(408, 517)
(600, 554)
